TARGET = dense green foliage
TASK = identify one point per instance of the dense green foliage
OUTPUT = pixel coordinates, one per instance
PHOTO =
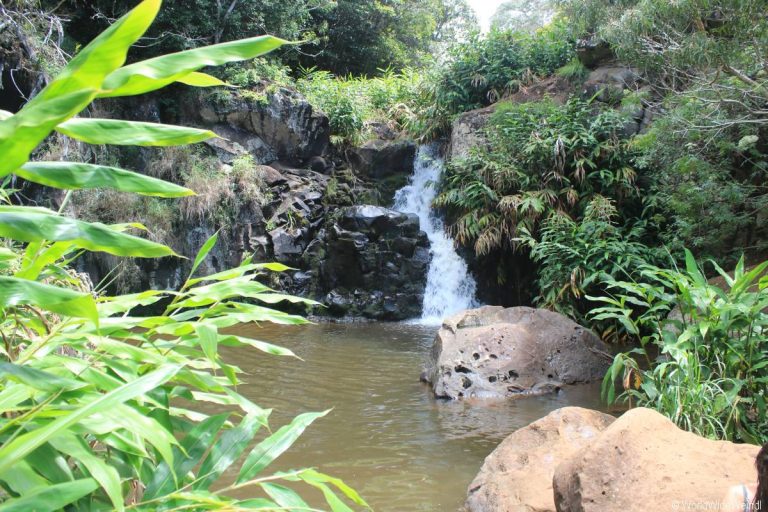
(344, 36)
(486, 68)
(704, 348)
(541, 158)
(101, 406)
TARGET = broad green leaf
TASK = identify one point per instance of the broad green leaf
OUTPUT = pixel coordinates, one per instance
(284, 496)
(232, 273)
(18, 448)
(30, 225)
(196, 79)
(203, 252)
(269, 348)
(131, 133)
(73, 89)
(4, 114)
(274, 446)
(37, 379)
(226, 450)
(194, 446)
(54, 497)
(21, 133)
(208, 337)
(102, 472)
(15, 292)
(153, 74)
(78, 176)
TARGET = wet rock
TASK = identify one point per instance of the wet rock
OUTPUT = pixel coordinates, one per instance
(644, 462)
(493, 352)
(287, 245)
(360, 272)
(593, 51)
(517, 475)
(611, 82)
(283, 125)
(387, 164)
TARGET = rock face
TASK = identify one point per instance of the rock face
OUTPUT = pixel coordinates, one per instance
(386, 163)
(466, 131)
(517, 475)
(644, 462)
(493, 352)
(370, 262)
(281, 125)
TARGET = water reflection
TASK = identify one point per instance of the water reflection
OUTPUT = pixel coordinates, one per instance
(386, 436)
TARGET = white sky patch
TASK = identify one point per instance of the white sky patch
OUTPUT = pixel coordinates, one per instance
(484, 10)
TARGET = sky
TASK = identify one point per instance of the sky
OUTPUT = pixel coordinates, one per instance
(484, 10)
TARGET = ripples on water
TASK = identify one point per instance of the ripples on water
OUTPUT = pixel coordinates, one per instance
(386, 436)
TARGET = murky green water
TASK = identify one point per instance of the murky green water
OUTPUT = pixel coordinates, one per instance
(386, 436)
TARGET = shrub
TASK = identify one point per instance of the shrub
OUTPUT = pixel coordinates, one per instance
(575, 257)
(710, 372)
(100, 405)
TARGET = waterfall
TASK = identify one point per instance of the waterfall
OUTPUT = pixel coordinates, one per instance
(450, 287)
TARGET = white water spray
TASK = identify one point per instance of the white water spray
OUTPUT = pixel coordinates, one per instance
(450, 287)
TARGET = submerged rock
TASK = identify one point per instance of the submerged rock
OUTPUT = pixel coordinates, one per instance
(644, 462)
(493, 352)
(517, 475)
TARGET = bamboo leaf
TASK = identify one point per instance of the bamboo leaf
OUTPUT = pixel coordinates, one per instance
(54, 497)
(226, 450)
(203, 252)
(17, 449)
(153, 74)
(73, 89)
(79, 176)
(275, 445)
(106, 475)
(194, 446)
(15, 292)
(131, 133)
(32, 225)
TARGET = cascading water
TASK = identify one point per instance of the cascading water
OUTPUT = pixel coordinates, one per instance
(450, 287)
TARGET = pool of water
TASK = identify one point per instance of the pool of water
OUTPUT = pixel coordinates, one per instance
(386, 436)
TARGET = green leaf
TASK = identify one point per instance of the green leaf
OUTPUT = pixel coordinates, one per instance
(19, 447)
(284, 496)
(153, 74)
(208, 337)
(33, 225)
(79, 176)
(194, 446)
(106, 475)
(203, 252)
(38, 379)
(15, 292)
(226, 450)
(131, 133)
(54, 497)
(73, 89)
(274, 446)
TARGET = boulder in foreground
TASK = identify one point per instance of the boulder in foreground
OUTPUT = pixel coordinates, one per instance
(644, 462)
(517, 475)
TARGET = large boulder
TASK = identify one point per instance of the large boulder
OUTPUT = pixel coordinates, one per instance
(517, 475)
(388, 164)
(644, 462)
(467, 131)
(279, 124)
(496, 352)
(370, 262)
